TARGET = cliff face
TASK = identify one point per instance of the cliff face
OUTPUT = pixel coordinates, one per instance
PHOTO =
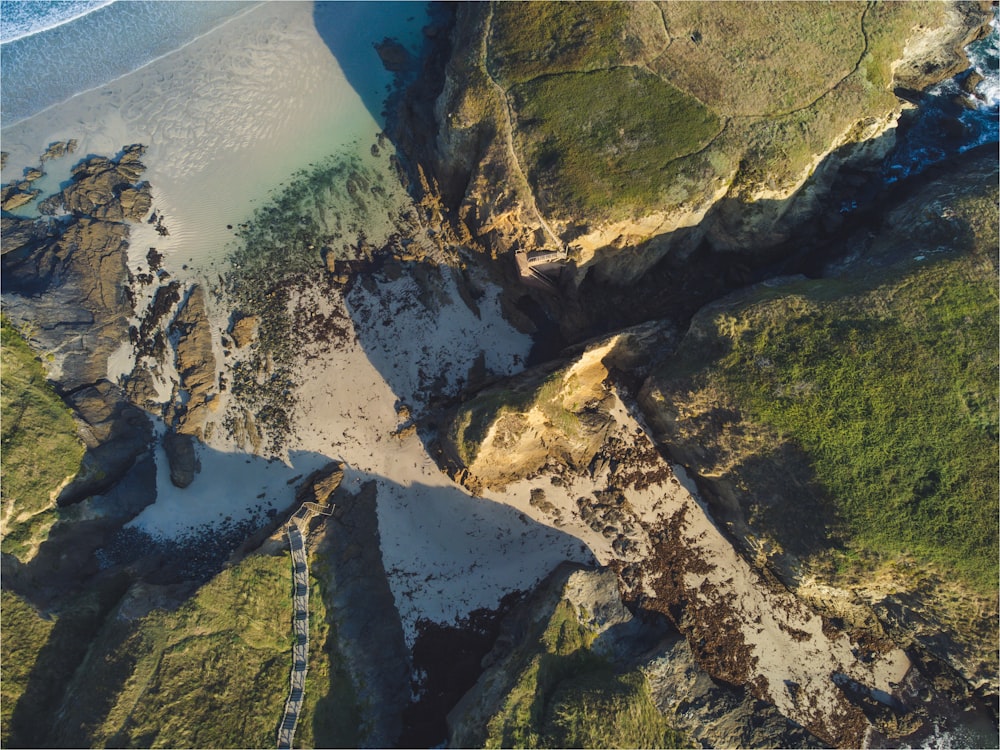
(793, 405)
(622, 133)
(574, 455)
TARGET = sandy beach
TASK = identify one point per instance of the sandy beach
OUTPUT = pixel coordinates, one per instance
(228, 120)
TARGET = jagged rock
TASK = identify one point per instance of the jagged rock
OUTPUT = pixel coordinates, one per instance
(321, 484)
(115, 433)
(71, 289)
(33, 173)
(14, 195)
(18, 232)
(140, 388)
(181, 456)
(103, 189)
(58, 149)
(195, 362)
(244, 330)
(394, 56)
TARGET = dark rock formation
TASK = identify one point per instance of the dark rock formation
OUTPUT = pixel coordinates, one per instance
(115, 433)
(104, 188)
(394, 56)
(369, 632)
(181, 457)
(195, 364)
(711, 712)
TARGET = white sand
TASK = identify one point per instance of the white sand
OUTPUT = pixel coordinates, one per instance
(227, 119)
(445, 551)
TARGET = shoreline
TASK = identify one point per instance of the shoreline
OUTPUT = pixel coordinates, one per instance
(152, 61)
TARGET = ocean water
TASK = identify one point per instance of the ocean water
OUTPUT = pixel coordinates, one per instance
(53, 50)
(26, 17)
(949, 119)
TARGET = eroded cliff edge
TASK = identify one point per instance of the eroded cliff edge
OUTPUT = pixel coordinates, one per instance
(594, 141)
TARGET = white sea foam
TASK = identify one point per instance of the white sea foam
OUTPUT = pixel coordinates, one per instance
(21, 18)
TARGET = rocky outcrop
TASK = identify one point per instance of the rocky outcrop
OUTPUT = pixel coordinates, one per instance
(107, 189)
(319, 486)
(787, 129)
(707, 711)
(368, 628)
(574, 447)
(244, 330)
(58, 149)
(66, 282)
(196, 365)
(181, 458)
(115, 433)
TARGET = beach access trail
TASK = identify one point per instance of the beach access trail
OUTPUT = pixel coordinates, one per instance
(297, 527)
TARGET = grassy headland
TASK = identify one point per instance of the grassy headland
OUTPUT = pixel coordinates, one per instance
(885, 381)
(41, 447)
(211, 673)
(613, 101)
(568, 696)
(589, 158)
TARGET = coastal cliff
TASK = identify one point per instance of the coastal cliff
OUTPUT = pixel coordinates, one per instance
(650, 129)
(736, 488)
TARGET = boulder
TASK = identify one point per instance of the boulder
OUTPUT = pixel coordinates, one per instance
(394, 56)
(244, 330)
(321, 484)
(58, 149)
(181, 457)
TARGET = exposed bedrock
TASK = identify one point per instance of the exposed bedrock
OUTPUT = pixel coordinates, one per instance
(528, 162)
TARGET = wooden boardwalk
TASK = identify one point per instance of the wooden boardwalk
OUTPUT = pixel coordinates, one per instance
(297, 525)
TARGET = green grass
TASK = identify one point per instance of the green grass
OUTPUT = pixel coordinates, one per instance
(761, 58)
(568, 696)
(39, 654)
(612, 122)
(532, 39)
(330, 711)
(25, 634)
(602, 143)
(41, 448)
(890, 390)
(211, 673)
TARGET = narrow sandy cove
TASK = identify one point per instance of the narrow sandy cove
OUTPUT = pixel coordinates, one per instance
(227, 120)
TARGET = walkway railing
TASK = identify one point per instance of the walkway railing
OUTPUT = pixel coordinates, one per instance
(298, 523)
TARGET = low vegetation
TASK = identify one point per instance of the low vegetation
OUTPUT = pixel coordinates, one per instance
(624, 109)
(598, 140)
(568, 696)
(887, 386)
(211, 673)
(761, 59)
(41, 447)
(40, 652)
(535, 39)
